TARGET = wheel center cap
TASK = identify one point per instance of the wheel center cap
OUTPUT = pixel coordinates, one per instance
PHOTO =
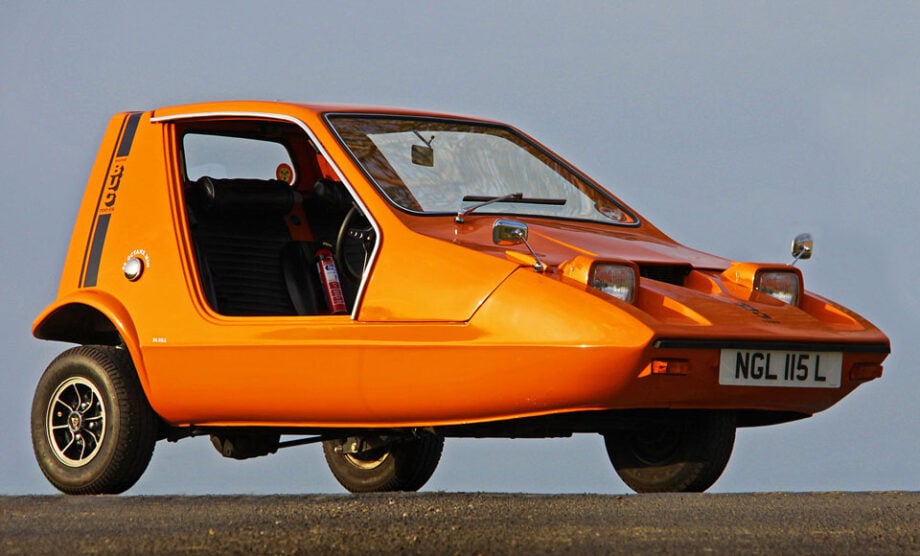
(75, 421)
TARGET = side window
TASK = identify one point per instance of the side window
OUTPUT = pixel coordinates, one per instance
(223, 156)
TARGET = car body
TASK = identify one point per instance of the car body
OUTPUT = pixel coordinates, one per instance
(486, 287)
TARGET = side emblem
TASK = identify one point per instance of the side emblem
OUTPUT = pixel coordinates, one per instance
(135, 264)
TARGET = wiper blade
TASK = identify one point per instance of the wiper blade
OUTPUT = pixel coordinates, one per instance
(509, 198)
(483, 201)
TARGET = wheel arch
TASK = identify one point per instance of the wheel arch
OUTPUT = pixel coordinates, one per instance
(92, 317)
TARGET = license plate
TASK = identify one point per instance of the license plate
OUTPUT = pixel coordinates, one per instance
(796, 369)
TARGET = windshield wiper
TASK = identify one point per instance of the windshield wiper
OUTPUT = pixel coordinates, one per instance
(509, 198)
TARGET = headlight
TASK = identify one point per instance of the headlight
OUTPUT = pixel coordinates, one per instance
(618, 280)
(782, 285)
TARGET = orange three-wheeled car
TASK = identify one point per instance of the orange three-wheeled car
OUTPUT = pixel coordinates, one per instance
(378, 280)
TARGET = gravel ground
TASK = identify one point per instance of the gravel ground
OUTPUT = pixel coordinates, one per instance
(450, 523)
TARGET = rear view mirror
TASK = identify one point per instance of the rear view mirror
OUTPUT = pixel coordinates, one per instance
(802, 247)
(422, 155)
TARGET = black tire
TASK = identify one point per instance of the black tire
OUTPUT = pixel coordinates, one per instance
(404, 465)
(684, 452)
(93, 431)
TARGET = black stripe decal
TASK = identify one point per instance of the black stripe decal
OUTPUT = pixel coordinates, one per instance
(95, 252)
(105, 205)
(128, 137)
(766, 346)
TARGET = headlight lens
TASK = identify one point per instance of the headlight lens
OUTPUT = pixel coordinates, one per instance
(782, 285)
(617, 280)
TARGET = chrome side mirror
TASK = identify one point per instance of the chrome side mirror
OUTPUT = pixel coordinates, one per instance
(508, 232)
(802, 247)
(511, 232)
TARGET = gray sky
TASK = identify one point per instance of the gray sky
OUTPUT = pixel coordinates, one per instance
(731, 126)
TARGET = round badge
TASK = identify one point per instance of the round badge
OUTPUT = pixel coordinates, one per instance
(285, 173)
(135, 264)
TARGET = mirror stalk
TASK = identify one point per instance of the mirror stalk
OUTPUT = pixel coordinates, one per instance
(511, 232)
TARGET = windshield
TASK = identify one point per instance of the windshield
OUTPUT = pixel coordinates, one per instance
(437, 166)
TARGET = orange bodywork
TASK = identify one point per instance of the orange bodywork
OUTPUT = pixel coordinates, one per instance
(447, 328)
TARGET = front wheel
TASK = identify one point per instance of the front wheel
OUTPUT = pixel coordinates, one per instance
(382, 465)
(93, 431)
(684, 452)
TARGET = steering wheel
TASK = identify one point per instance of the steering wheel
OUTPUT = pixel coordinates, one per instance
(355, 241)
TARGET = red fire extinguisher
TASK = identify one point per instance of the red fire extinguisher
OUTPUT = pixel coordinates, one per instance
(329, 276)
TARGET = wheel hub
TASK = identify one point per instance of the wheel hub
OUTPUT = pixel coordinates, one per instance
(76, 422)
(656, 444)
(371, 459)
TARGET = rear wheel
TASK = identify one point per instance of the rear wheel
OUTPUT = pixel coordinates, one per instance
(685, 452)
(93, 431)
(383, 466)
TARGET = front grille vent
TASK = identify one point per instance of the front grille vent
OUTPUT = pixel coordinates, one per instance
(671, 274)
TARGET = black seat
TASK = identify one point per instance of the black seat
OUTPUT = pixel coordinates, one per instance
(248, 263)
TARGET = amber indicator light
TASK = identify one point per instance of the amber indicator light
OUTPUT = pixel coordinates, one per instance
(670, 366)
